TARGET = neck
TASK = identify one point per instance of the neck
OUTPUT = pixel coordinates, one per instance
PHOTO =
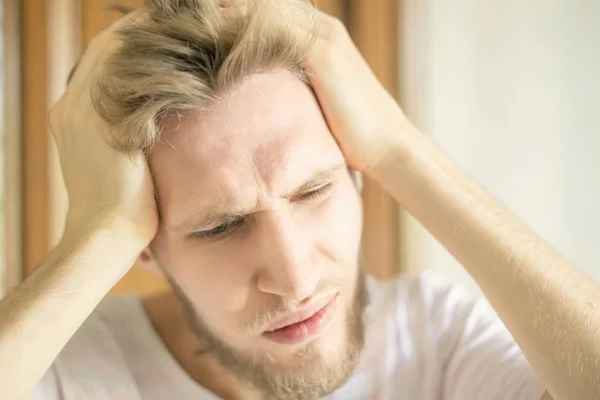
(166, 315)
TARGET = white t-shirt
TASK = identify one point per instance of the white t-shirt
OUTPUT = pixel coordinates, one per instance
(425, 340)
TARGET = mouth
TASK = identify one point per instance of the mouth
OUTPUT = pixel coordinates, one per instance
(303, 326)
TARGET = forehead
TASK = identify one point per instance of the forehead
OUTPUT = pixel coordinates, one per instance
(267, 131)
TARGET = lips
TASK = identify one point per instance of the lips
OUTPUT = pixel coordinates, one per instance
(301, 315)
(304, 324)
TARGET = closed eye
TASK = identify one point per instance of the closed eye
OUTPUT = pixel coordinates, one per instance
(313, 194)
(220, 231)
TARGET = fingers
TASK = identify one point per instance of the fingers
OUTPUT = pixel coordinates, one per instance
(133, 17)
(75, 107)
(233, 8)
(102, 44)
(331, 28)
(106, 38)
(327, 27)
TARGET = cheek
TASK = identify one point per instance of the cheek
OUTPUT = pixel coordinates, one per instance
(217, 280)
(197, 262)
(337, 226)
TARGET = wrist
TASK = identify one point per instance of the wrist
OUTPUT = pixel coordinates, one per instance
(132, 236)
(402, 151)
(415, 170)
(91, 257)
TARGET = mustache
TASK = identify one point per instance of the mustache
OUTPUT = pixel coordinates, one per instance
(284, 305)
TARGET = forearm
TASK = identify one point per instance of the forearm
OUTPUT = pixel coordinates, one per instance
(550, 306)
(42, 314)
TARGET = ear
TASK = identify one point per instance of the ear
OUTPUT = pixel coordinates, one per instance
(147, 261)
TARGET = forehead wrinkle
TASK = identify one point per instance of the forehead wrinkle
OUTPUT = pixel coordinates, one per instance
(269, 162)
(261, 138)
(228, 199)
(278, 144)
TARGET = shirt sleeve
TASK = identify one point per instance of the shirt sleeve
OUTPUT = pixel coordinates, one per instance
(479, 358)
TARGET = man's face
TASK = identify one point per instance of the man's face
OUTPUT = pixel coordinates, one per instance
(260, 227)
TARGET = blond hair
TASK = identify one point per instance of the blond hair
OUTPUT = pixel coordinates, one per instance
(187, 53)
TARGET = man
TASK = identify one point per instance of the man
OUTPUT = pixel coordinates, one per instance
(224, 174)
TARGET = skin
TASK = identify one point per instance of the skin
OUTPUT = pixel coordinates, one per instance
(265, 151)
(547, 303)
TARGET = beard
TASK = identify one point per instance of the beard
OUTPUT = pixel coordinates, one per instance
(321, 377)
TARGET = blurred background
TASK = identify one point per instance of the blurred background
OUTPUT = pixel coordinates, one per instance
(509, 89)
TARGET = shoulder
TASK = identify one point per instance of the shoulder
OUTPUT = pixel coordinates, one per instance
(95, 358)
(100, 332)
(407, 320)
(438, 340)
(427, 306)
(426, 291)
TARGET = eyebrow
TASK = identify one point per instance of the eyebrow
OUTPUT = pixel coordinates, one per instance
(319, 178)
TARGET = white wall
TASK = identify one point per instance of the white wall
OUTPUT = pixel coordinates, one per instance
(512, 93)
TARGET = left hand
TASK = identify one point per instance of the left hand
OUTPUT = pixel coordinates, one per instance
(364, 118)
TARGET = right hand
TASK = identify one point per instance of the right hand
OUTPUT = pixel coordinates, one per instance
(106, 189)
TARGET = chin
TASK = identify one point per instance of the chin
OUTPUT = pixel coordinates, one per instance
(330, 347)
(307, 370)
(317, 369)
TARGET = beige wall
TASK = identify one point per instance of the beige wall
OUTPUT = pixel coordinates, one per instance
(2, 169)
(10, 158)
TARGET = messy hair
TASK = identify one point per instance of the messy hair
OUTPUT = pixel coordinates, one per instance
(188, 52)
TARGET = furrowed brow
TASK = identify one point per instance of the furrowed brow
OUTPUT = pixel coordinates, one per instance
(214, 218)
(209, 220)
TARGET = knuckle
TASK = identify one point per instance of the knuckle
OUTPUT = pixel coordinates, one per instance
(94, 42)
(335, 31)
(55, 115)
(337, 25)
(97, 43)
(330, 58)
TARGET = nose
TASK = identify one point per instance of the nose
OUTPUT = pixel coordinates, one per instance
(288, 266)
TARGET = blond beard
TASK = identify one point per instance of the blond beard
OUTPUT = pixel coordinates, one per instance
(259, 372)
